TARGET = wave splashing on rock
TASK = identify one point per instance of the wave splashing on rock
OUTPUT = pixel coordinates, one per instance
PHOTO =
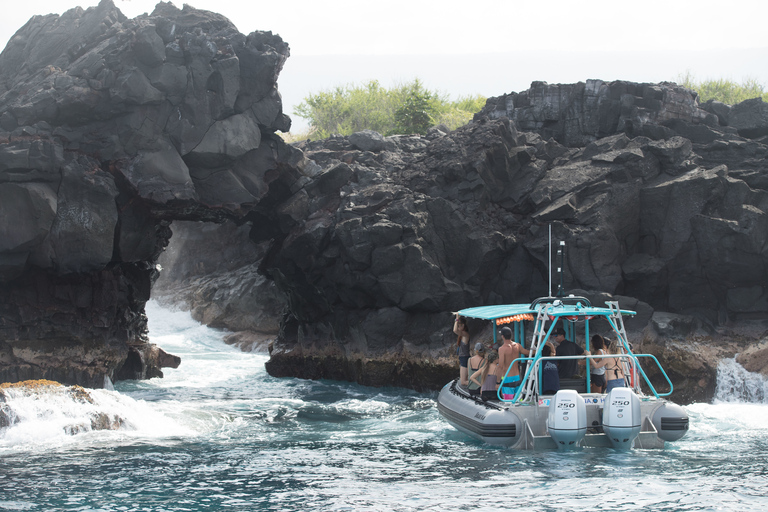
(42, 409)
(736, 384)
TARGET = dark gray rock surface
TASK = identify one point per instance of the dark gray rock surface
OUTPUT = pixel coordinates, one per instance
(667, 214)
(110, 128)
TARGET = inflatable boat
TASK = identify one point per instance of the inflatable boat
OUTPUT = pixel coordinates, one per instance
(635, 415)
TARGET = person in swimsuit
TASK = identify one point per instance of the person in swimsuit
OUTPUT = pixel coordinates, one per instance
(462, 331)
(613, 368)
(597, 366)
(474, 365)
(487, 377)
(508, 352)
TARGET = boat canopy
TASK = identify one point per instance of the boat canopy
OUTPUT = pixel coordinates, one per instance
(555, 310)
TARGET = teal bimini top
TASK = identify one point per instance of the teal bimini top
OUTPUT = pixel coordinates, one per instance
(578, 312)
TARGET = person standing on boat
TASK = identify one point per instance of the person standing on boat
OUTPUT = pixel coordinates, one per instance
(597, 366)
(462, 331)
(567, 368)
(613, 367)
(488, 376)
(475, 363)
(550, 381)
(508, 352)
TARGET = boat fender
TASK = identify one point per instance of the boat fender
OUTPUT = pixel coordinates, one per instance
(622, 419)
(567, 419)
(670, 421)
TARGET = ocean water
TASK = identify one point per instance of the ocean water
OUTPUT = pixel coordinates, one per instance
(219, 433)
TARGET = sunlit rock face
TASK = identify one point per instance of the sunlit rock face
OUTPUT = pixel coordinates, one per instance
(109, 129)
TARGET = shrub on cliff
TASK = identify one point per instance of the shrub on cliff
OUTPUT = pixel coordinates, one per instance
(724, 91)
(403, 109)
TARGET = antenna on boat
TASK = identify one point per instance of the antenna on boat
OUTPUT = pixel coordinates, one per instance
(549, 267)
(561, 253)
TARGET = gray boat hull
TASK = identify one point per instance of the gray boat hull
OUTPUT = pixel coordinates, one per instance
(523, 425)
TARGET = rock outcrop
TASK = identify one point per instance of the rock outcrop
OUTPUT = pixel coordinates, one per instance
(655, 198)
(113, 128)
(110, 128)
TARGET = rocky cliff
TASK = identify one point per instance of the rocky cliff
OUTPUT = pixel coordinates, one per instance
(114, 128)
(111, 128)
(661, 201)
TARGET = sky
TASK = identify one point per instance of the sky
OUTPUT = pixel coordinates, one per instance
(486, 47)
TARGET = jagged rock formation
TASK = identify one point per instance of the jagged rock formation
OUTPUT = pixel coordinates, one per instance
(655, 198)
(111, 128)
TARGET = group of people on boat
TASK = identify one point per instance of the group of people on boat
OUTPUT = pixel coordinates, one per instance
(484, 372)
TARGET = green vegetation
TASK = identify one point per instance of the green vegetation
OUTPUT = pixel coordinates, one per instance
(725, 91)
(404, 109)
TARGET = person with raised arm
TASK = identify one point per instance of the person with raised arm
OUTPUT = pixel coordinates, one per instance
(461, 330)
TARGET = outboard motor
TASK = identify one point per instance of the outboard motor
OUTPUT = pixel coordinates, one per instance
(567, 419)
(671, 421)
(621, 417)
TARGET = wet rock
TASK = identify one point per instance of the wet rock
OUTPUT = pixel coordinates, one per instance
(755, 358)
(44, 390)
(691, 361)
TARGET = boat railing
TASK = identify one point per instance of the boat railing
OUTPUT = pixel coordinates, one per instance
(631, 359)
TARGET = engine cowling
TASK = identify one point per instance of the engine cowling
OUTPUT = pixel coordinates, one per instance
(622, 419)
(567, 419)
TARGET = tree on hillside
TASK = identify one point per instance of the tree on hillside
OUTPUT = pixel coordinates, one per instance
(417, 111)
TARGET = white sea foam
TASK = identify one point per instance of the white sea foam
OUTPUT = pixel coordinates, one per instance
(735, 384)
(55, 416)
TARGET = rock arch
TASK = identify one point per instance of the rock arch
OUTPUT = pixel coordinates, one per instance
(111, 128)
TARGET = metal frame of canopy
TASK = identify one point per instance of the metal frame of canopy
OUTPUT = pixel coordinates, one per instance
(519, 312)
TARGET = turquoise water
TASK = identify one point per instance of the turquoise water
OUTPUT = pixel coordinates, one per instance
(218, 433)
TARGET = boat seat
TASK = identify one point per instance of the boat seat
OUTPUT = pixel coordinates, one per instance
(580, 385)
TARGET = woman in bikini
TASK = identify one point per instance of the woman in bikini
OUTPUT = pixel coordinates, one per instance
(462, 331)
(474, 365)
(613, 368)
